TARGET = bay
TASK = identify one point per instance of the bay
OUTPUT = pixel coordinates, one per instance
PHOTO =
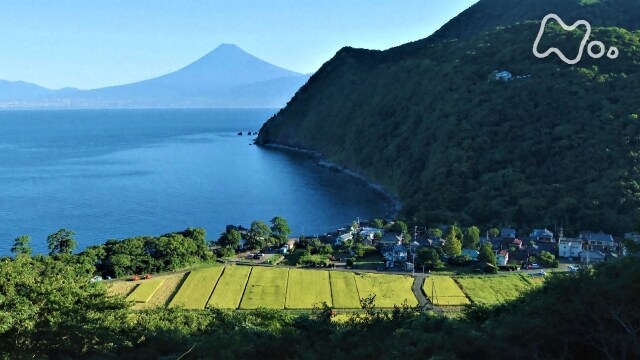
(112, 174)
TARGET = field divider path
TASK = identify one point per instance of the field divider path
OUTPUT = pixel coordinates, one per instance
(197, 288)
(214, 286)
(417, 289)
(244, 290)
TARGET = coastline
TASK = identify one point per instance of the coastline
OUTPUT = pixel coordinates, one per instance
(393, 204)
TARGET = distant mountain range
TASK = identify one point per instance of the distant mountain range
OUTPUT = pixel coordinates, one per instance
(227, 76)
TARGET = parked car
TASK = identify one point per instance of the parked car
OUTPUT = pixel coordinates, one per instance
(573, 268)
(535, 266)
(539, 273)
(256, 257)
(260, 254)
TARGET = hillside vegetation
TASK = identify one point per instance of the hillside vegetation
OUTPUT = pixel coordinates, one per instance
(49, 309)
(435, 128)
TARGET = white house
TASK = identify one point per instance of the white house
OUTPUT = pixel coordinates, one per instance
(370, 232)
(569, 248)
(342, 238)
(502, 258)
(503, 75)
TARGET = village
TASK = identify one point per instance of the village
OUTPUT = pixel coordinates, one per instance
(391, 247)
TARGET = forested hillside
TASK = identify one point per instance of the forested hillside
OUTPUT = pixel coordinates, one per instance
(432, 125)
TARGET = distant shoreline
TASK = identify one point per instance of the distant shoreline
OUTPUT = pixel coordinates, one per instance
(392, 203)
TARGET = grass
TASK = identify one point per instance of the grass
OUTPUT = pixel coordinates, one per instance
(197, 288)
(371, 262)
(344, 290)
(390, 290)
(267, 287)
(119, 287)
(228, 292)
(307, 289)
(145, 290)
(162, 296)
(490, 290)
(443, 291)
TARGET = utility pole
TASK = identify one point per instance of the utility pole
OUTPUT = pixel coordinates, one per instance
(414, 264)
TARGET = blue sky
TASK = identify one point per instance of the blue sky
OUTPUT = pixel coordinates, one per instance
(95, 43)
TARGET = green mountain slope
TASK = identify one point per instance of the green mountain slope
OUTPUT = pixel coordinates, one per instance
(436, 129)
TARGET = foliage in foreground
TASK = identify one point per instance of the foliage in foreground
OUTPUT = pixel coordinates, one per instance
(48, 308)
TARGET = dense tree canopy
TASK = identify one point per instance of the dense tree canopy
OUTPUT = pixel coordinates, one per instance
(471, 239)
(436, 129)
(21, 245)
(280, 229)
(452, 246)
(258, 235)
(61, 242)
(486, 254)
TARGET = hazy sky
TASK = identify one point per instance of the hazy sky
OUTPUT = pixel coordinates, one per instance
(95, 43)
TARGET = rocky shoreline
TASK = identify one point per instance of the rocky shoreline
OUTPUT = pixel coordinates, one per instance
(391, 201)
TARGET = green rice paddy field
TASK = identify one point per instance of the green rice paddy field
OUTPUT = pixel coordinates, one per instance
(485, 290)
(245, 287)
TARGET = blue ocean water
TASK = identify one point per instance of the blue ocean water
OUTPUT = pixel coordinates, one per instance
(111, 174)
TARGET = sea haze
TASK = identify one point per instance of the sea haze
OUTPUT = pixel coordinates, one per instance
(120, 173)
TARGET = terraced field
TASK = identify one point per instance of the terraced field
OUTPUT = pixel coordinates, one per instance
(245, 287)
(197, 288)
(443, 291)
(145, 290)
(228, 293)
(389, 290)
(307, 289)
(344, 291)
(267, 287)
(491, 290)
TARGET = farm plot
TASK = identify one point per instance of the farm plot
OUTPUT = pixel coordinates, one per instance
(197, 288)
(145, 290)
(344, 291)
(490, 290)
(442, 291)
(228, 292)
(389, 290)
(123, 288)
(162, 296)
(267, 287)
(308, 288)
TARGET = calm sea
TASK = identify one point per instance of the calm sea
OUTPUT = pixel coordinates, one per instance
(112, 174)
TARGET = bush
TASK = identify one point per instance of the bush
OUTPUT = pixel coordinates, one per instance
(226, 252)
(548, 260)
(313, 260)
(351, 262)
(460, 260)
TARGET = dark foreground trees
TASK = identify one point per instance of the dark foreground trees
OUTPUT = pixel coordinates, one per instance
(49, 309)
